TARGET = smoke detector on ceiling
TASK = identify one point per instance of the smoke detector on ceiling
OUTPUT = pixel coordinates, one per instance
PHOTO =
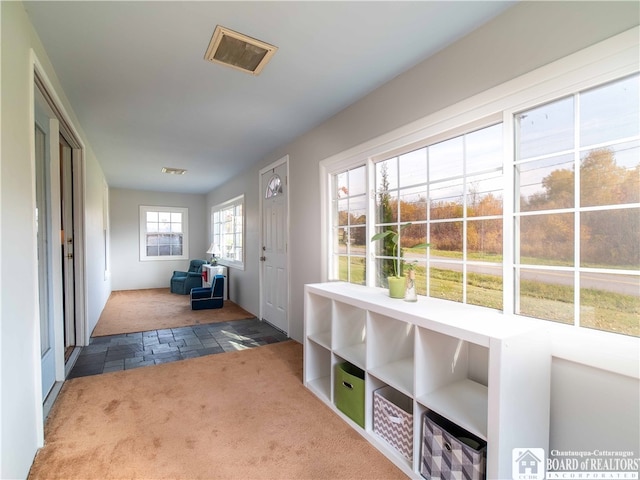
(239, 51)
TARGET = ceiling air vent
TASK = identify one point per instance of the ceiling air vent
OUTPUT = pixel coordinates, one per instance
(239, 51)
(174, 171)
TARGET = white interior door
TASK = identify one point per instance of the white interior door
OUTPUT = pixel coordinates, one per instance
(274, 258)
(67, 249)
(47, 332)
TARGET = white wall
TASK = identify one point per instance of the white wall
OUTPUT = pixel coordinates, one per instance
(244, 285)
(19, 310)
(525, 37)
(21, 431)
(592, 409)
(98, 281)
(128, 272)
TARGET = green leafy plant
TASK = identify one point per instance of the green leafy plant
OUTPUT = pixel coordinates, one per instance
(393, 237)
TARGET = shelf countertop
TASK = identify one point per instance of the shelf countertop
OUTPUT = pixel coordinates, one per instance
(469, 322)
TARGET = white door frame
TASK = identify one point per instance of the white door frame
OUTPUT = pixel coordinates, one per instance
(277, 163)
(52, 104)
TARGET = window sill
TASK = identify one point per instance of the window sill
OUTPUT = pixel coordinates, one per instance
(163, 259)
(229, 264)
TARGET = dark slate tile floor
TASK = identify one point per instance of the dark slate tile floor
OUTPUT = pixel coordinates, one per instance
(132, 350)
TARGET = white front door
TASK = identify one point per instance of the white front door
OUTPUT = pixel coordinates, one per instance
(275, 237)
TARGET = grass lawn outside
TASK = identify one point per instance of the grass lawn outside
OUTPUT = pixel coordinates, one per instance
(599, 309)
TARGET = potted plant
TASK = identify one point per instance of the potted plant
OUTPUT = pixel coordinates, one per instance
(396, 281)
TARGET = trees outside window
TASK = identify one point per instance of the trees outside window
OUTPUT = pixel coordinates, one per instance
(577, 212)
(349, 206)
(451, 194)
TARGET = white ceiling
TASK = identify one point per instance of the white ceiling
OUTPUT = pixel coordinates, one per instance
(136, 77)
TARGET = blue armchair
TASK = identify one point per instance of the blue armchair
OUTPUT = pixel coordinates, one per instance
(209, 297)
(183, 282)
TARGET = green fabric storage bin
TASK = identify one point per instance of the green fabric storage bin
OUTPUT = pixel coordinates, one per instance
(349, 391)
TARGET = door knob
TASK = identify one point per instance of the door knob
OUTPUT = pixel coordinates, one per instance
(262, 259)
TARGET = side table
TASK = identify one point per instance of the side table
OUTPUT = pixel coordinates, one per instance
(210, 271)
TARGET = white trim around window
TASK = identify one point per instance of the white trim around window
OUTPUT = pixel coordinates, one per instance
(164, 233)
(227, 232)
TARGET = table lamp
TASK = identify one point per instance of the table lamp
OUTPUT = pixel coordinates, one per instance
(213, 251)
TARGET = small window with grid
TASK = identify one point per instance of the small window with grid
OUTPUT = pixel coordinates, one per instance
(163, 233)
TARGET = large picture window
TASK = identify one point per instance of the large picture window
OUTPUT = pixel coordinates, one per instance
(163, 233)
(577, 209)
(536, 215)
(227, 232)
(448, 194)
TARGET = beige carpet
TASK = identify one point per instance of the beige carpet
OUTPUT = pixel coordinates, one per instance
(129, 311)
(238, 415)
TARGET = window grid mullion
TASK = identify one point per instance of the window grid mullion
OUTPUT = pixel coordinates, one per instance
(428, 264)
(510, 277)
(370, 225)
(576, 215)
(465, 199)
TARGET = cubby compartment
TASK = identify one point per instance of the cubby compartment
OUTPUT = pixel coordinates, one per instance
(318, 311)
(349, 333)
(448, 451)
(317, 369)
(454, 380)
(390, 351)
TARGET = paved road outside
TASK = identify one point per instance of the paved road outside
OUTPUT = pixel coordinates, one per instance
(624, 284)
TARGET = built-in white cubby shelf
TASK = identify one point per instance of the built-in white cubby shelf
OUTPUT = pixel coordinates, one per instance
(485, 371)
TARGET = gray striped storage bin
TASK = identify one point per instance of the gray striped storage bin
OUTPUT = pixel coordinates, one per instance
(393, 419)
